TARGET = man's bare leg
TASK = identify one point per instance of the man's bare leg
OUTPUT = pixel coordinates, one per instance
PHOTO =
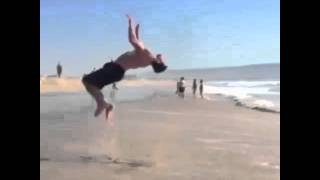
(99, 98)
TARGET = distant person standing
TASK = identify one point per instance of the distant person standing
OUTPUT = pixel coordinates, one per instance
(201, 88)
(182, 87)
(178, 86)
(194, 86)
(114, 86)
(59, 69)
(113, 91)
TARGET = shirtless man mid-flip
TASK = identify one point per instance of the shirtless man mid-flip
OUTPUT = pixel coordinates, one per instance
(114, 71)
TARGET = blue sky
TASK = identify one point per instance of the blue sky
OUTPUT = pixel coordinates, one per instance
(83, 34)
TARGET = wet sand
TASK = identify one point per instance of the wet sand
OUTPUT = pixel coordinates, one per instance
(159, 137)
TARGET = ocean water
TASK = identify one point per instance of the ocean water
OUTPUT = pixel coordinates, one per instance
(259, 72)
(254, 86)
(253, 94)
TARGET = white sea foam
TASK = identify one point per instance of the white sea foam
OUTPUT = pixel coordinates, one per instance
(247, 83)
(254, 94)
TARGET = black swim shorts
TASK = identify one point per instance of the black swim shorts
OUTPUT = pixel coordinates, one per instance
(181, 89)
(111, 72)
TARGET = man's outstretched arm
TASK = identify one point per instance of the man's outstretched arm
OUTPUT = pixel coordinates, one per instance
(133, 39)
(137, 32)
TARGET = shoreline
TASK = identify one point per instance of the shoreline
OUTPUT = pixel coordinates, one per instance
(256, 108)
(56, 86)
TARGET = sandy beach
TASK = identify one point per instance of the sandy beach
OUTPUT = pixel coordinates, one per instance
(53, 84)
(157, 136)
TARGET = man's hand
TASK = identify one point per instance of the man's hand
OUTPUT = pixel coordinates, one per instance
(129, 19)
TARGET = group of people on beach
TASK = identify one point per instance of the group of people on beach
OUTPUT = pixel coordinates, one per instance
(181, 87)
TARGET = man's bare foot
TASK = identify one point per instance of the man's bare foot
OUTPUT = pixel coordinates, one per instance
(100, 108)
(108, 110)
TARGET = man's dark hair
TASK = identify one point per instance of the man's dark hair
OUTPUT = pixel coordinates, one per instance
(158, 67)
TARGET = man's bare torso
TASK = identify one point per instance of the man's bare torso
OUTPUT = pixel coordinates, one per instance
(135, 59)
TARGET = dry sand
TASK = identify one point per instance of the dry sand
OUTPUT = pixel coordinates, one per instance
(53, 84)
